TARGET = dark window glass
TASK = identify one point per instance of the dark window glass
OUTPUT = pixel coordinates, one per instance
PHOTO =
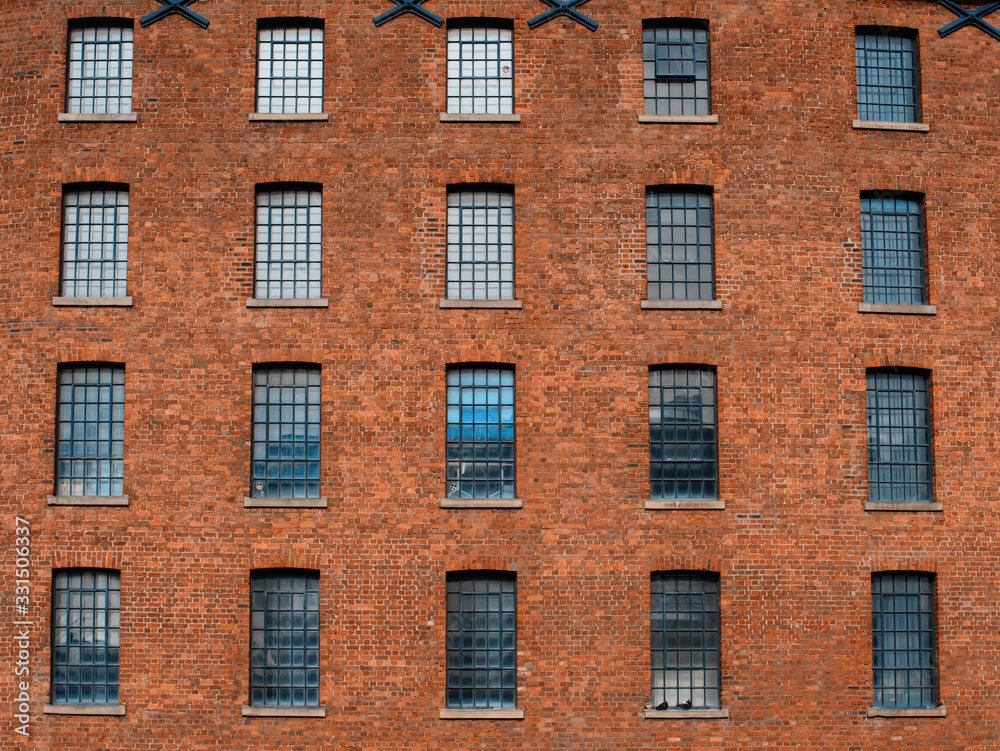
(482, 641)
(289, 70)
(675, 73)
(286, 406)
(480, 245)
(680, 258)
(99, 78)
(289, 250)
(683, 461)
(684, 640)
(480, 442)
(95, 243)
(887, 77)
(899, 438)
(480, 71)
(86, 614)
(903, 666)
(90, 431)
(284, 639)
(892, 241)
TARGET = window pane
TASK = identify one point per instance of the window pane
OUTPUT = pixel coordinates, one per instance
(899, 461)
(903, 634)
(95, 243)
(286, 435)
(99, 72)
(892, 242)
(675, 70)
(288, 244)
(480, 71)
(90, 411)
(480, 245)
(682, 434)
(679, 246)
(289, 70)
(480, 433)
(886, 66)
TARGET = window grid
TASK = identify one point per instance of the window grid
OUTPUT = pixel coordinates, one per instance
(480, 433)
(90, 431)
(903, 665)
(887, 77)
(899, 450)
(683, 461)
(286, 417)
(680, 257)
(684, 641)
(95, 243)
(289, 245)
(892, 242)
(86, 615)
(284, 640)
(480, 71)
(675, 70)
(99, 79)
(480, 245)
(289, 70)
(482, 641)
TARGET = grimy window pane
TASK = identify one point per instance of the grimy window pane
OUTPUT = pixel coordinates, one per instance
(286, 409)
(284, 639)
(480, 245)
(904, 673)
(289, 250)
(480, 71)
(86, 614)
(675, 75)
(289, 70)
(680, 255)
(99, 78)
(892, 242)
(482, 641)
(887, 77)
(684, 640)
(683, 462)
(899, 438)
(90, 431)
(95, 243)
(480, 433)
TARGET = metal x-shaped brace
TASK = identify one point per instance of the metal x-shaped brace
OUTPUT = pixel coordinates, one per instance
(970, 18)
(563, 8)
(175, 6)
(408, 6)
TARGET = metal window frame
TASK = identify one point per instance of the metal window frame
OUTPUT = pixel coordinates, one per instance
(914, 293)
(97, 22)
(481, 658)
(475, 268)
(278, 670)
(917, 623)
(673, 101)
(897, 480)
(497, 103)
(274, 261)
(880, 110)
(298, 24)
(104, 641)
(118, 281)
(680, 289)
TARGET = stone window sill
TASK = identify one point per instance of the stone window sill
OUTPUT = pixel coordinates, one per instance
(706, 503)
(85, 709)
(481, 714)
(499, 304)
(284, 711)
(887, 125)
(457, 117)
(687, 714)
(481, 503)
(95, 302)
(691, 119)
(90, 117)
(285, 503)
(903, 506)
(288, 117)
(86, 500)
(317, 302)
(913, 310)
(941, 711)
(680, 304)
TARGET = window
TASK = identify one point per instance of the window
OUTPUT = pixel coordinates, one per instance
(286, 408)
(86, 614)
(675, 68)
(95, 242)
(887, 75)
(482, 641)
(899, 438)
(892, 242)
(289, 68)
(90, 431)
(680, 258)
(683, 460)
(684, 640)
(480, 244)
(284, 639)
(903, 666)
(289, 243)
(481, 70)
(99, 79)
(480, 435)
